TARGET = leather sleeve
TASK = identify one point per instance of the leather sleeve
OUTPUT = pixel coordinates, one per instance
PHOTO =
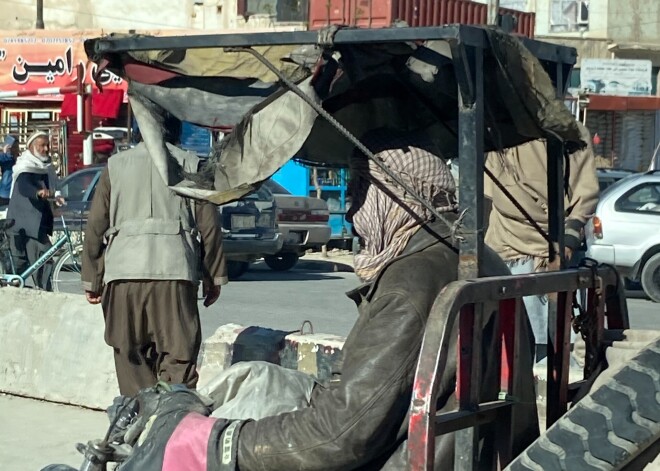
(213, 255)
(361, 418)
(98, 222)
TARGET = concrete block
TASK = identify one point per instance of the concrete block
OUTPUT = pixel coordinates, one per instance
(53, 349)
(315, 354)
(232, 343)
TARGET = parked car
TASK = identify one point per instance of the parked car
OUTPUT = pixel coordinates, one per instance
(625, 230)
(609, 176)
(303, 222)
(248, 225)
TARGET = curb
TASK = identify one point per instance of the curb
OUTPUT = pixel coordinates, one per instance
(324, 266)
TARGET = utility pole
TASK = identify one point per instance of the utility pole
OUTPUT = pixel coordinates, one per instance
(493, 11)
(40, 15)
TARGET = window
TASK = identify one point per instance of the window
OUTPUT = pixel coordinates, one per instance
(644, 198)
(569, 16)
(75, 186)
(282, 10)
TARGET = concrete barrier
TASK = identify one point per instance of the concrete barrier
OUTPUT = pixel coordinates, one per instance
(315, 354)
(52, 348)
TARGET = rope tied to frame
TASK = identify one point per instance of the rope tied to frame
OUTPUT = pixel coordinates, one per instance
(326, 36)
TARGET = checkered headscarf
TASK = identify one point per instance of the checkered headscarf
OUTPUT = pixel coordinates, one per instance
(387, 217)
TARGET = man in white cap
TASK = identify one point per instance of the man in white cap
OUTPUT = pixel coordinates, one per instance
(34, 181)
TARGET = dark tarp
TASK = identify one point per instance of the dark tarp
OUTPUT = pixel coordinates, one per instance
(403, 86)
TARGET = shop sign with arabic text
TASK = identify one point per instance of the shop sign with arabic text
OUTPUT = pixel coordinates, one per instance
(33, 60)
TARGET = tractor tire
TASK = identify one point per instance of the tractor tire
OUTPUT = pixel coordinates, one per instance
(236, 269)
(614, 427)
(651, 278)
(281, 261)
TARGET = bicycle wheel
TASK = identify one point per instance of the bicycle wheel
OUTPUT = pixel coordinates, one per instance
(66, 273)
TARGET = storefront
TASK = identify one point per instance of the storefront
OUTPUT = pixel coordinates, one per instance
(626, 130)
(42, 75)
(621, 110)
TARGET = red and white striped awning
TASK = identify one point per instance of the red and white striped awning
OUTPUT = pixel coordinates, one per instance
(38, 92)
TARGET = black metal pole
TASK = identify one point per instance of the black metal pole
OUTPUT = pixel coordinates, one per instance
(471, 158)
(469, 69)
(556, 309)
(40, 15)
(558, 304)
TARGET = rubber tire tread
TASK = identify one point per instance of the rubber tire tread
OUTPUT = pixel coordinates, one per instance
(649, 286)
(236, 269)
(595, 451)
(282, 262)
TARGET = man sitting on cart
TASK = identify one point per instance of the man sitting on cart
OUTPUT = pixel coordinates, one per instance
(360, 420)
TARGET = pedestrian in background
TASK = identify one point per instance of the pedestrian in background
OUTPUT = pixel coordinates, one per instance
(522, 171)
(34, 184)
(10, 153)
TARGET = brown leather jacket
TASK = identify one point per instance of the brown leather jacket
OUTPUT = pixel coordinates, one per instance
(360, 421)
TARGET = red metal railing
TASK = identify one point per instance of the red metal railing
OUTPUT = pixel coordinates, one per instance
(460, 302)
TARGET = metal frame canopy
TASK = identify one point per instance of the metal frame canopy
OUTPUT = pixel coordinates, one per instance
(472, 36)
(480, 93)
(468, 45)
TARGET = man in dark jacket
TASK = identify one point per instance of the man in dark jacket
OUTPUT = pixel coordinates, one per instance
(359, 421)
(34, 184)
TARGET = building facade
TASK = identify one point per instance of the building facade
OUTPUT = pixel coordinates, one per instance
(149, 14)
(627, 124)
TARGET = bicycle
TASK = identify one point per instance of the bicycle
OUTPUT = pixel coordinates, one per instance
(66, 277)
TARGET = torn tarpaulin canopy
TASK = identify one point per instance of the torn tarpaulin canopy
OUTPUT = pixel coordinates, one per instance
(399, 85)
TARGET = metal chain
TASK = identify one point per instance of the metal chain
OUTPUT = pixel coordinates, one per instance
(342, 130)
(585, 323)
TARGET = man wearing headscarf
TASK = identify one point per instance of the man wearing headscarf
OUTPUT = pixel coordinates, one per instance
(34, 183)
(359, 420)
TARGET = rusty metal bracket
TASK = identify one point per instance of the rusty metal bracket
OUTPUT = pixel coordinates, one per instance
(302, 327)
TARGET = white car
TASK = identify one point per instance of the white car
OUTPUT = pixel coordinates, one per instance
(625, 230)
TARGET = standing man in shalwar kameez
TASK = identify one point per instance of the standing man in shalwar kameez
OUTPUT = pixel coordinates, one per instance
(141, 262)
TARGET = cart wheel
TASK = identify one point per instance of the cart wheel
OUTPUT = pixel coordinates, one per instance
(281, 261)
(66, 276)
(615, 427)
(236, 269)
